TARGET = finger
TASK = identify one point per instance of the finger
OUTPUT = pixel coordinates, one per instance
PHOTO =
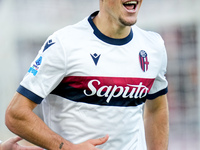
(99, 141)
(31, 148)
(16, 139)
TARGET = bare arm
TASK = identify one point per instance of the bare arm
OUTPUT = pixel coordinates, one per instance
(21, 120)
(156, 121)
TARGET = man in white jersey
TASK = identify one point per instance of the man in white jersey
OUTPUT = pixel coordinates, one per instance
(92, 80)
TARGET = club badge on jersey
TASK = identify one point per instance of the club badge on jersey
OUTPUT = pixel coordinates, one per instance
(144, 63)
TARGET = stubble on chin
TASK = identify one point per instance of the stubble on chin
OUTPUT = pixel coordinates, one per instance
(127, 23)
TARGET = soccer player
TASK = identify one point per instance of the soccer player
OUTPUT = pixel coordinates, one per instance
(11, 144)
(92, 80)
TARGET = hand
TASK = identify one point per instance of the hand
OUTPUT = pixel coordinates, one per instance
(90, 144)
(11, 144)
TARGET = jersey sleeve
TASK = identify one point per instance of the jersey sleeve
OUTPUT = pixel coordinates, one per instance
(160, 85)
(46, 71)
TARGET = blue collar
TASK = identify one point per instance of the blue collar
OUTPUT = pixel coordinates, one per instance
(105, 38)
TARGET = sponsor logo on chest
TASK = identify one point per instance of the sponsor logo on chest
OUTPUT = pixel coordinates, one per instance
(128, 91)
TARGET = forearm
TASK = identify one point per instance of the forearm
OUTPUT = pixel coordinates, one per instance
(23, 122)
(156, 130)
(156, 121)
(33, 129)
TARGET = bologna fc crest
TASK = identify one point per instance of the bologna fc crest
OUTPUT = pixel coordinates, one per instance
(144, 63)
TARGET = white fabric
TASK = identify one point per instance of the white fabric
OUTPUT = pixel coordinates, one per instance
(70, 56)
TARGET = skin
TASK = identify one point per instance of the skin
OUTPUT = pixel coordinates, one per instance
(117, 19)
(21, 120)
(11, 144)
(156, 122)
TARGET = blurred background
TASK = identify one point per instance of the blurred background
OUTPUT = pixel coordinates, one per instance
(25, 25)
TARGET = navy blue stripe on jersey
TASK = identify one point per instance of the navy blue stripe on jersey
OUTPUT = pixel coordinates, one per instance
(30, 95)
(159, 93)
(106, 38)
(77, 95)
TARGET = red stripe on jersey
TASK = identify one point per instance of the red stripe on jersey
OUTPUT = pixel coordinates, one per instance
(82, 82)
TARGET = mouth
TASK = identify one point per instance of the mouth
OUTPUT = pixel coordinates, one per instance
(131, 5)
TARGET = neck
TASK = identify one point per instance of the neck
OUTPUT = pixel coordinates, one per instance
(111, 28)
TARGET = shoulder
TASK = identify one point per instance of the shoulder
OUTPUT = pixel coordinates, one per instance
(149, 36)
(150, 41)
(71, 31)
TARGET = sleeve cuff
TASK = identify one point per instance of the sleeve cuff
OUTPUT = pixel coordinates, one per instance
(159, 93)
(30, 95)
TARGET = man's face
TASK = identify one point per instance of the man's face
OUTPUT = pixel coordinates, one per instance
(123, 11)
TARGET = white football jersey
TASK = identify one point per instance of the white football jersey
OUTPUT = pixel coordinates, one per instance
(91, 85)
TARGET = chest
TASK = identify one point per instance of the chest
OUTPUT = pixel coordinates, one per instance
(100, 59)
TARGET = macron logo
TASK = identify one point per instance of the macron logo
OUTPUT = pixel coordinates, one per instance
(48, 44)
(95, 57)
